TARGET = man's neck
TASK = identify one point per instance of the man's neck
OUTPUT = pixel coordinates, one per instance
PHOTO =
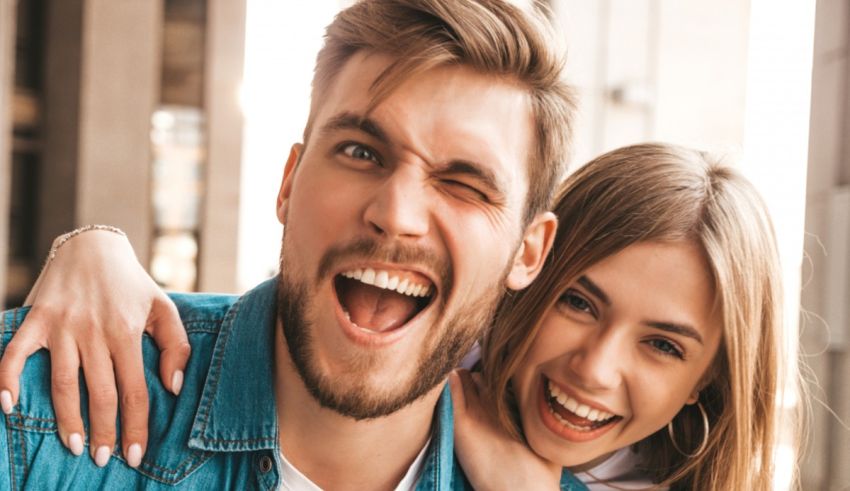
(339, 452)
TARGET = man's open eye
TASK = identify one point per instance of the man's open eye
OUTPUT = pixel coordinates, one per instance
(359, 152)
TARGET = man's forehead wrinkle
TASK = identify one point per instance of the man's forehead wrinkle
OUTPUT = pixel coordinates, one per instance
(402, 69)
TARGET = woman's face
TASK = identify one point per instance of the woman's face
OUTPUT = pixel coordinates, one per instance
(622, 351)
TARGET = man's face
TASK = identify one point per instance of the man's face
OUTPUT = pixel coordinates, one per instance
(403, 227)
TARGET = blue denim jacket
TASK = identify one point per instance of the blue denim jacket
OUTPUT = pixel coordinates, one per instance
(220, 433)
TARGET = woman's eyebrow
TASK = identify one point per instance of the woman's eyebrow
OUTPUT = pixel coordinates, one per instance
(594, 289)
(681, 329)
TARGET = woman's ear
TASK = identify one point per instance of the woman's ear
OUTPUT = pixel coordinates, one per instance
(286, 183)
(531, 254)
(707, 378)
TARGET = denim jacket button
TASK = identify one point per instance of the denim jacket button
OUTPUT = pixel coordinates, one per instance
(265, 464)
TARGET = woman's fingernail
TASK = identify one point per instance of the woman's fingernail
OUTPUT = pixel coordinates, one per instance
(134, 455)
(177, 382)
(75, 442)
(101, 456)
(6, 401)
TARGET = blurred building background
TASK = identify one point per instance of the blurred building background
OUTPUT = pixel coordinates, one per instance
(172, 119)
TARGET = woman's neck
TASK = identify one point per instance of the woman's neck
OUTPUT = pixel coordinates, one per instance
(590, 464)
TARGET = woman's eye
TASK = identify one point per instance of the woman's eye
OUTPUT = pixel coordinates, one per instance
(666, 348)
(576, 302)
(360, 152)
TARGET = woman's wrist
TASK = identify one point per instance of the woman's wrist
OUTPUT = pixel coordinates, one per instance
(64, 238)
(60, 241)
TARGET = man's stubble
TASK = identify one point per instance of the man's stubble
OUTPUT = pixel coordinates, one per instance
(352, 396)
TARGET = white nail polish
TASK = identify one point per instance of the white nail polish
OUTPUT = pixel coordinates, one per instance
(134, 455)
(6, 401)
(177, 381)
(75, 441)
(101, 456)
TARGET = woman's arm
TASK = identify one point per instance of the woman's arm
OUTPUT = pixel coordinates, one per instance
(490, 457)
(90, 306)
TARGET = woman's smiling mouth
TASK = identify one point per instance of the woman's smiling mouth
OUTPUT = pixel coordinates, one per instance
(569, 418)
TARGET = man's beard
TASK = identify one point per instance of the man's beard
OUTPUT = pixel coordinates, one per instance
(354, 397)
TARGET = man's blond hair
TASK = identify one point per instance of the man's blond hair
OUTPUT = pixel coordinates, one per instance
(493, 37)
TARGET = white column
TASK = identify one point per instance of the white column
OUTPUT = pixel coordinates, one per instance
(7, 64)
(776, 142)
(119, 89)
(825, 332)
(220, 219)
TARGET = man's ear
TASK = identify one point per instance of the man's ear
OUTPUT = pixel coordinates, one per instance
(286, 183)
(532, 251)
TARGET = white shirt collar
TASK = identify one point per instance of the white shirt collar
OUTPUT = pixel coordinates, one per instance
(293, 480)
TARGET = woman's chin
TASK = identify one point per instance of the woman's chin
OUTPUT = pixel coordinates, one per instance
(566, 454)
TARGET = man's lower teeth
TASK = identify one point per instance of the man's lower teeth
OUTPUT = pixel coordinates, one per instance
(348, 317)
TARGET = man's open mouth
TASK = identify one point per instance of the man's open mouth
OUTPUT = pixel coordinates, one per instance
(573, 414)
(382, 300)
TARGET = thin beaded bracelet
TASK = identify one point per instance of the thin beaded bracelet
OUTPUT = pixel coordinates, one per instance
(59, 242)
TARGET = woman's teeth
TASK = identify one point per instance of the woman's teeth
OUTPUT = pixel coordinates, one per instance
(386, 280)
(556, 395)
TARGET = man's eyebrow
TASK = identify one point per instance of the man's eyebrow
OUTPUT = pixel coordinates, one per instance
(681, 329)
(476, 171)
(351, 121)
(594, 289)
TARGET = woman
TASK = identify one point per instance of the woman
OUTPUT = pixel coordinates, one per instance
(647, 352)
(659, 304)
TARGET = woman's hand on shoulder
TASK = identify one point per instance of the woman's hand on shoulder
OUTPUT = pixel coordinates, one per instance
(491, 458)
(90, 306)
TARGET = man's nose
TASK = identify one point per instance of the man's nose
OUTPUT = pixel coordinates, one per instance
(596, 365)
(400, 206)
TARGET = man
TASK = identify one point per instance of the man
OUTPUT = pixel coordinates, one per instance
(437, 133)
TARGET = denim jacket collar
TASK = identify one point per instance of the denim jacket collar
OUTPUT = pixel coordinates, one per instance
(237, 407)
(440, 469)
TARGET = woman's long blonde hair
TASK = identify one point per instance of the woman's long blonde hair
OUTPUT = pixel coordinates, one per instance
(664, 193)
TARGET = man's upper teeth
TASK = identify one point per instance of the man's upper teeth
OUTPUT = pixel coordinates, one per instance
(388, 281)
(577, 408)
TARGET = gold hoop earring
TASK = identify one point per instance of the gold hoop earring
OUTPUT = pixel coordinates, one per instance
(703, 445)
